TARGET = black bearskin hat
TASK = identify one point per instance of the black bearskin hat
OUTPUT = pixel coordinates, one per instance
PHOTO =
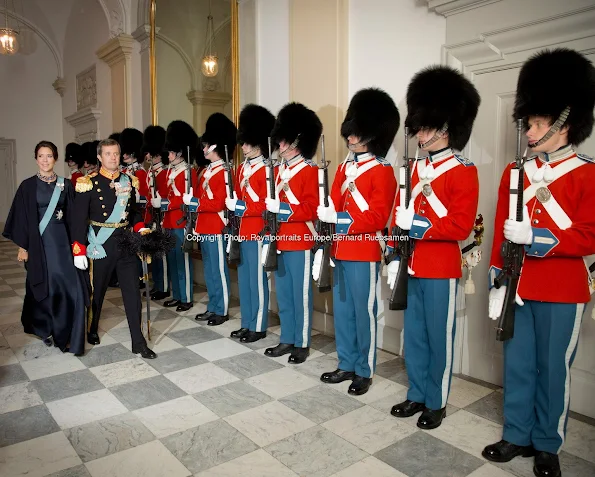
(153, 143)
(256, 124)
(74, 152)
(90, 152)
(201, 160)
(440, 95)
(179, 137)
(295, 120)
(220, 130)
(552, 80)
(115, 136)
(372, 116)
(131, 142)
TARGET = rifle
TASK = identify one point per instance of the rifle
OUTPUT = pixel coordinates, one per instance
(271, 226)
(232, 229)
(189, 217)
(404, 247)
(324, 231)
(156, 214)
(512, 253)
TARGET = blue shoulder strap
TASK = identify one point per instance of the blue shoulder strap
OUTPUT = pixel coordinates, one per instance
(52, 205)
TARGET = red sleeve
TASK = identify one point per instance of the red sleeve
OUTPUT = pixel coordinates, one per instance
(335, 192)
(307, 194)
(143, 188)
(217, 203)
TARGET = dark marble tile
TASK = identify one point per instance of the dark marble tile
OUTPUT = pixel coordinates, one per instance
(12, 374)
(232, 398)
(176, 359)
(67, 385)
(490, 407)
(321, 403)
(26, 424)
(146, 392)
(108, 354)
(78, 471)
(324, 344)
(194, 336)
(246, 365)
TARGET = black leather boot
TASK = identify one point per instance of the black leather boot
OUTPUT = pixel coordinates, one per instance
(184, 306)
(159, 295)
(279, 350)
(430, 419)
(171, 303)
(547, 465)
(239, 333)
(407, 408)
(359, 386)
(144, 351)
(253, 336)
(337, 376)
(216, 320)
(299, 355)
(505, 451)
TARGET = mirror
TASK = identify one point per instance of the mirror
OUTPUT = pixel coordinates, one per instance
(194, 60)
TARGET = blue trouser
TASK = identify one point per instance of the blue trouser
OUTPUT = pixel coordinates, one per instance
(429, 339)
(214, 260)
(294, 296)
(537, 364)
(181, 271)
(159, 273)
(254, 287)
(355, 310)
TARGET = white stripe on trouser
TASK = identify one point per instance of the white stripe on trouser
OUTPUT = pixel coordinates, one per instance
(580, 307)
(452, 286)
(371, 298)
(306, 289)
(187, 272)
(164, 270)
(222, 273)
(260, 289)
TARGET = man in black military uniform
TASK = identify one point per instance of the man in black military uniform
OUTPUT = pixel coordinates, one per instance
(105, 206)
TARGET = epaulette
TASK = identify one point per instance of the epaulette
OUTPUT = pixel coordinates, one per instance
(463, 160)
(134, 180)
(585, 158)
(84, 184)
(383, 161)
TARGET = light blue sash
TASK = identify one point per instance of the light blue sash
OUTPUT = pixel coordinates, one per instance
(49, 212)
(95, 248)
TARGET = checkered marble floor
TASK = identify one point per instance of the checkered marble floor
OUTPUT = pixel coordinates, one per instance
(209, 406)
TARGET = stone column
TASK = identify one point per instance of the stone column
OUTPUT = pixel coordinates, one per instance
(204, 104)
(141, 34)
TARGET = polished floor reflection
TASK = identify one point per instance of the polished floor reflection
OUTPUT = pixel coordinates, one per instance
(210, 406)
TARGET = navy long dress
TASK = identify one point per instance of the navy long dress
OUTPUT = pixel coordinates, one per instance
(55, 294)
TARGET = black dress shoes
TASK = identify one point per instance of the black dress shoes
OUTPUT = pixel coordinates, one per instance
(546, 465)
(359, 386)
(159, 295)
(238, 333)
(430, 419)
(93, 338)
(505, 451)
(253, 336)
(216, 320)
(279, 350)
(337, 376)
(206, 316)
(184, 306)
(299, 355)
(407, 408)
(170, 303)
(144, 351)
(49, 342)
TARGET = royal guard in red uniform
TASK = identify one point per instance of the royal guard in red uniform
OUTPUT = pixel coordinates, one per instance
(297, 132)
(90, 152)
(155, 185)
(441, 108)
(181, 142)
(75, 158)
(360, 207)
(248, 203)
(555, 99)
(209, 204)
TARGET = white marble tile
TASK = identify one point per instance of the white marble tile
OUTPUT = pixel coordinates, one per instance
(174, 416)
(385, 404)
(123, 372)
(468, 432)
(275, 329)
(7, 357)
(380, 389)
(18, 340)
(281, 382)
(219, 349)
(36, 350)
(15, 281)
(21, 293)
(158, 344)
(369, 429)
(371, 467)
(12, 300)
(384, 356)
(10, 309)
(256, 464)
(173, 324)
(147, 460)
(84, 408)
(8, 318)
(5, 287)
(107, 324)
(463, 393)
(18, 396)
(38, 457)
(489, 470)
(200, 378)
(269, 423)
(11, 271)
(51, 366)
(580, 440)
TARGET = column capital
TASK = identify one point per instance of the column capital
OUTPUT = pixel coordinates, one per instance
(117, 49)
(142, 34)
(60, 86)
(209, 98)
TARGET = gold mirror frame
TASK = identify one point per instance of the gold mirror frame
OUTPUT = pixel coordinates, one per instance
(235, 62)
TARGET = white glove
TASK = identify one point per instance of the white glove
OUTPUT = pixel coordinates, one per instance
(496, 302)
(404, 216)
(156, 202)
(263, 256)
(519, 232)
(231, 203)
(317, 265)
(81, 262)
(327, 214)
(273, 205)
(188, 196)
(393, 269)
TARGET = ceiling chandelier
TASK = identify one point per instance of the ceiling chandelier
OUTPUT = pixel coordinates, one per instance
(9, 44)
(210, 64)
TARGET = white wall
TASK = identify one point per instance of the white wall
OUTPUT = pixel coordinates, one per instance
(31, 110)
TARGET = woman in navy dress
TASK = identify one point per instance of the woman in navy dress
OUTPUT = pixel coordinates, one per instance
(39, 223)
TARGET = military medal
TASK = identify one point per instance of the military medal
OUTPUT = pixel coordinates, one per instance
(351, 186)
(427, 190)
(543, 194)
